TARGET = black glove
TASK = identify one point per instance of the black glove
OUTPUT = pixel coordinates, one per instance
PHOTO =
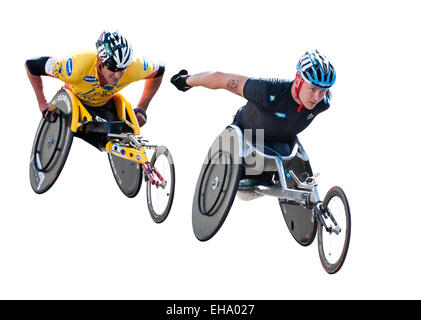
(141, 121)
(179, 80)
(50, 115)
(141, 111)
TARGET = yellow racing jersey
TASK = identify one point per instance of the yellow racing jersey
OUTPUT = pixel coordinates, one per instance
(80, 73)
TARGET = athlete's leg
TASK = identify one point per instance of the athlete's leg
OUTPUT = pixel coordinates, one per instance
(279, 148)
(106, 112)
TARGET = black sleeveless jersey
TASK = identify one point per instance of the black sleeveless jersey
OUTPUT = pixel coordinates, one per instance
(271, 107)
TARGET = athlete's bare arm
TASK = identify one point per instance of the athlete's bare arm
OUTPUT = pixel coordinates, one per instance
(36, 83)
(219, 80)
(151, 87)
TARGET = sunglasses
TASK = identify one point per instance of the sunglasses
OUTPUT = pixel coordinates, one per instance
(113, 68)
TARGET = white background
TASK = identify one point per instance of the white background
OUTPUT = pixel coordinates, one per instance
(84, 239)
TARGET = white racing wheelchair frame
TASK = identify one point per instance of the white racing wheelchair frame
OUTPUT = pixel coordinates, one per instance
(306, 193)
(304, 212)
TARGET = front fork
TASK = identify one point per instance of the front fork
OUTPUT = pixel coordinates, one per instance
(139, 156)
(323, 212)
(150, 172)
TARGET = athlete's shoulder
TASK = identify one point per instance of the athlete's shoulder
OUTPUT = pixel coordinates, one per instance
(73, 67)
(137, 67)
(142, 68)
(268, 83)
(84, 55)
(83, 60)
(270, 89)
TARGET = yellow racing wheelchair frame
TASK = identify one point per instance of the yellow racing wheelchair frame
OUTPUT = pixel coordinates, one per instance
(127, 150)
(81, 116)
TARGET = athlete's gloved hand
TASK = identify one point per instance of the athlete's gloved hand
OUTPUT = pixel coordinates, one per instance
(50, 115)
(179, 80)
(140, 116)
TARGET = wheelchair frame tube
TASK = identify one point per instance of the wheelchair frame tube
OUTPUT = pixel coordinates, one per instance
(128, 153)
(300, 197)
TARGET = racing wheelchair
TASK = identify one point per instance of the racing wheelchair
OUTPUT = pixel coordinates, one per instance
(233, 157)
(125, 147)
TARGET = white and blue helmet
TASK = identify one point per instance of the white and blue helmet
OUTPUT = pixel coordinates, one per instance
(114, 50)
(316, 69)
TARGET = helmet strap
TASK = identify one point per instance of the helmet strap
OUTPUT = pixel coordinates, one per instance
(100, 63)
(297, 92)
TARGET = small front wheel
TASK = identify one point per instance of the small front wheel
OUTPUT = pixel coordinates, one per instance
(160, 196)
(333, 242)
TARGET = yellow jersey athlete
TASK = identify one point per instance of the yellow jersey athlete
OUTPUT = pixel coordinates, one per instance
(95, 76)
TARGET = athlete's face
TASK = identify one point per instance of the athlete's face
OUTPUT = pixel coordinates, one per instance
(310, 95)
(111, 77)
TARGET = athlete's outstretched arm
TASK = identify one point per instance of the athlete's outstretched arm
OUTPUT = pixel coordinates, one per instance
(218, 80)
(211, 80)
(34, 70)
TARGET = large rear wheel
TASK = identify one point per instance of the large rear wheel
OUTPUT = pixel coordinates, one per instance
(217, 185)
(128, 175)
(51, 145)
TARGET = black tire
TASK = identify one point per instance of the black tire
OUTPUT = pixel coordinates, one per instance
(49, 152)
(337, 203)
(128, 175)
(164, 163)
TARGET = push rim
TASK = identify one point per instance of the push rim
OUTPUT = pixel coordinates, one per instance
(214, 184)
(51, 147)
(49, 131)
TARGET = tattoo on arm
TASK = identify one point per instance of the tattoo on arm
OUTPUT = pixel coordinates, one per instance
(232, 85)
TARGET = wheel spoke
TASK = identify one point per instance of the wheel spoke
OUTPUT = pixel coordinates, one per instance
(333, 247)
(160, 198)
(333, 243)
(158, 193)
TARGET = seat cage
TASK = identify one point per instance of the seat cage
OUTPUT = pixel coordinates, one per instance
(124, 111)
(253, 155)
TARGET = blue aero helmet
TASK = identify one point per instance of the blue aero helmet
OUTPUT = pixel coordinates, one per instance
(316, 69)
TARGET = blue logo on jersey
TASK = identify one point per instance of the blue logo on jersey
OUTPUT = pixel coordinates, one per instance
(145, 65)
(108, 88)
(90, 79)
(59, 69)
(280, 115)
(69, 67)
(272, 98)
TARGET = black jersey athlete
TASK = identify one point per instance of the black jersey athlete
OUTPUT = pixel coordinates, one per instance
(281, 108)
